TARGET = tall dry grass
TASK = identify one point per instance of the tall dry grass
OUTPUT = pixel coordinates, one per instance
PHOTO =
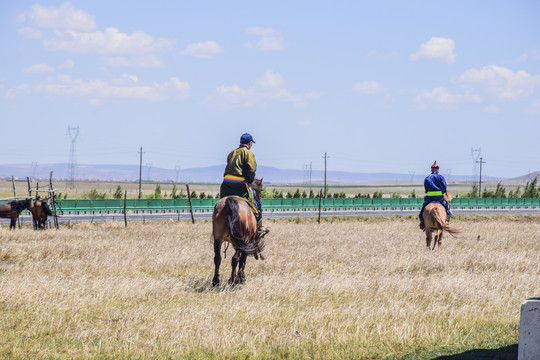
(363, 288)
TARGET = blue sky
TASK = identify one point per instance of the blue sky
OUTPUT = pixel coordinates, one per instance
(386, 86)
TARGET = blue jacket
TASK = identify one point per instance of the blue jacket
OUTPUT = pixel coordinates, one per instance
(434, 182)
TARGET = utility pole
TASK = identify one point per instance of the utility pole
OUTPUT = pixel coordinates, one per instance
(140, 173)
(325, 187)
(480, 183)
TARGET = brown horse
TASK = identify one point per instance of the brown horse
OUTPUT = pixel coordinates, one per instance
(13, 209)
(233, 221)
(434, 220)
(39, 211)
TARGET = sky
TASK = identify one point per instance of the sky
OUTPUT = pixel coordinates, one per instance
(378, 86)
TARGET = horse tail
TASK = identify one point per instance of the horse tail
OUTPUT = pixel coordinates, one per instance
(240, 241)
(442, 224)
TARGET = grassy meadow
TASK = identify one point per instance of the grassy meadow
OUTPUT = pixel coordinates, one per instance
(356, 288)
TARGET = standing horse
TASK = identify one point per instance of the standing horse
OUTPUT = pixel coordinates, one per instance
(13, 209)
(233, 221)
(39, 211)
(434, 219)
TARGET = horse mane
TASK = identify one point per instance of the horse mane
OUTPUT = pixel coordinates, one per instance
(239, 240)
(257, 186)
(20, 205)
(46, 208)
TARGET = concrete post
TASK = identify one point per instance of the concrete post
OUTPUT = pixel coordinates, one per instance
(529, 330)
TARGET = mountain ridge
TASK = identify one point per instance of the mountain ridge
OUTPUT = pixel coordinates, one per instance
(208, 174)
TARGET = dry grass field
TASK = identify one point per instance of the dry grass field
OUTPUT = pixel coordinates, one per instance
(359, 288)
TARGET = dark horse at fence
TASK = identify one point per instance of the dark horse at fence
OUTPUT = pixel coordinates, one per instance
(40, 210)
(233, 221)
(13, 209)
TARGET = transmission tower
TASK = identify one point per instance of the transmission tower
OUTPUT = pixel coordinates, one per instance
(411, 173)
(475, 153)
(148, 169)
(177, 169)
(73, 133)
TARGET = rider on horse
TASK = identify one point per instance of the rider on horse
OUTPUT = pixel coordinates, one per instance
(239, 173)
(435, 187)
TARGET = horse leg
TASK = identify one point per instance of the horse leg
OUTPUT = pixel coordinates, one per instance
(234, 264)
(241, 278)
(217, 261)
(12, 224)
(428, 238)
(439, 239)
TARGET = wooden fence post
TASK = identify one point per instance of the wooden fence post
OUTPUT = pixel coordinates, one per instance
(52, 196)
(320, 198)
(125, 202)
(190, 206)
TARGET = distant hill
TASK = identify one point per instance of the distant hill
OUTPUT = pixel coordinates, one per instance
(210, 174)
(525, 178)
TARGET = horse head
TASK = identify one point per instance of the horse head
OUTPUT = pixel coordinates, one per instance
(257, 186)
(20, 205)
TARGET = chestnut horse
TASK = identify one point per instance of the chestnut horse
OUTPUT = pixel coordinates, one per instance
(39, 211)
(233, 221)
(13, 209)
(434, 220)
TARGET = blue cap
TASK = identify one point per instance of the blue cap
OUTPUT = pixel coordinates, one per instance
(246, 138)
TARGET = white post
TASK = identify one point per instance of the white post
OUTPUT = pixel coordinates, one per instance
(529, 330)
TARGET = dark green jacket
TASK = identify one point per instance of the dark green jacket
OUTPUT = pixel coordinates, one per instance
(241, 162)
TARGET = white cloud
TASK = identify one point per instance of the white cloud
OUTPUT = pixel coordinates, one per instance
(270, 86)
(492, 109)
(39, 68)
(529, 55)
(270, 39)
(534, 107)
(144, 61)
(21, 90)
(30, 33)
(63, 17)
(203, 50)
(500, 82)
(97, 91)
(442, 97)
(368, 87)
(436, 48)
(68, 64)
(110, 41)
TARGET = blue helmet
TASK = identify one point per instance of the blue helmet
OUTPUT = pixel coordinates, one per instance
(246, 138)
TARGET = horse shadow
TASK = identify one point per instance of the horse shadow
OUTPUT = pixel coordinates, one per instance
(505, 353)
(198, 285)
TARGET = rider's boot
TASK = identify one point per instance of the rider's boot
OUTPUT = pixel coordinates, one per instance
(448, 216)
(261, 230)
(422, 226)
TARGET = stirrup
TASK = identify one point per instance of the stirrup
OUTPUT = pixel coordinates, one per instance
(261, 232)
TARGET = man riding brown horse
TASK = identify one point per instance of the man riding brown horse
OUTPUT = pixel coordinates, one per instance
(435, 187)
(239, 173)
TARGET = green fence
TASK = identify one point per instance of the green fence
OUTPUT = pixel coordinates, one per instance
(181, 205)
